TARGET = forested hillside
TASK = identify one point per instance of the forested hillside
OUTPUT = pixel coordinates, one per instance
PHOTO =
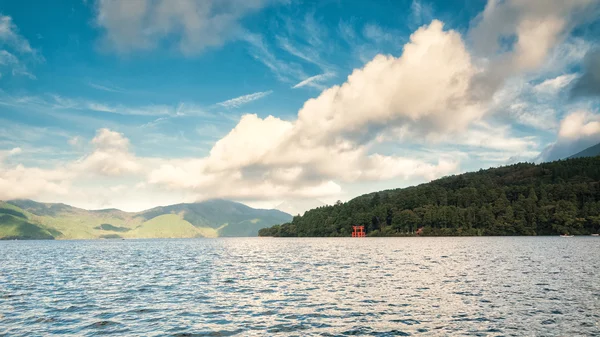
(522, 199)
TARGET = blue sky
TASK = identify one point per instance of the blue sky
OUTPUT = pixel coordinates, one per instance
(133, 104)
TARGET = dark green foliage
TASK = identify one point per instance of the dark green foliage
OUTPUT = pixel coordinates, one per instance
(12, 212)
(13, 227)
(109, 227)
(522, 199)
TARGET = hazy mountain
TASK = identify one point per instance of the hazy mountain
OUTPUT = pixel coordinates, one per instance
(591, 151)
(27, 219)
(299, 206)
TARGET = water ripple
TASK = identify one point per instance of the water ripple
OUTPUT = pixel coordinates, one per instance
(301, 287)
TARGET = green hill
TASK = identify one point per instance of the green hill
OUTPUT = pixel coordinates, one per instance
(27, 219)
(228, 218)
(522, 199)
(16, 227)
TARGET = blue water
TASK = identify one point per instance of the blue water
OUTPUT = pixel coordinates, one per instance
(302, 287)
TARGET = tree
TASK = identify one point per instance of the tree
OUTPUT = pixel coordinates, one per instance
(520, 199)
(407, 221)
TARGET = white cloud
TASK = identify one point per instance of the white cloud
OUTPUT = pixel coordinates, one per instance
(301, 38)
(420, 12)
(553, 85)
(307, 54)
(15, 151)
(284, 71)
(579, 124)
(75, 141)
(424, 96)
(111, 156)
(57, 102)
(8, 153)
(7, 58)
(375, 33)
(425, 88)
(105, 87)
(196, 25)
(483, 135)
(330, 143)
(578, 131)
(347, 32)
(245, 99)
(19, 181)
(9, 34)
(314, 81)
(22, 182)
(517, 36)
(11, 39)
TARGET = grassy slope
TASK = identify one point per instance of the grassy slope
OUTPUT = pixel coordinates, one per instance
(169, 226)
(16, 227)
(83, 225)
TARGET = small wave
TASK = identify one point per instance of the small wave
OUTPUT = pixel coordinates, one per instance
(103, 324)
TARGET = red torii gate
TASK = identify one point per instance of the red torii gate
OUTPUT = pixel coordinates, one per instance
(358, 232)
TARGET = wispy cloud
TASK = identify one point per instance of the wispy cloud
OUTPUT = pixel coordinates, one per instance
(154, 122)
(104, 87)
(12, 62)
(190, 26)
(239, 101)
(420, 12)
(369, 41)
(306, 55)
(9, 33)
(84, 104)
(553, 85)
(378, 35)
(313, 81)
(347, 33)
(53, 102)
(10, 39)
(284, 71)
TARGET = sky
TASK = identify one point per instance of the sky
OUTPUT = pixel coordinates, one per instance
(139, 103)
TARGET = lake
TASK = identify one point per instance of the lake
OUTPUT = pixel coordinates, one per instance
(482, 286)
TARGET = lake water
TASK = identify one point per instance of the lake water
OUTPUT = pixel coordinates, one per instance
(509, 286)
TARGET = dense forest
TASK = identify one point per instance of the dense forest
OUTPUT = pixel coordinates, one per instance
(561, 197)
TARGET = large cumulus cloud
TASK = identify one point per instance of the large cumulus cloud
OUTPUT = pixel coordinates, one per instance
(578, 131)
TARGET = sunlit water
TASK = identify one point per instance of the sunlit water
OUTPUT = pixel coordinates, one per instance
(263, 286)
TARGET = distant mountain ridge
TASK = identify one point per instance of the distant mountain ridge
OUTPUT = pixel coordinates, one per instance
(591, 151)
(28, 219)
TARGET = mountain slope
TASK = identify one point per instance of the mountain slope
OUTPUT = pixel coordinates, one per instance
(232, 218)
(16, 227)
(591, 151)
(210, 218)
(522, 199)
